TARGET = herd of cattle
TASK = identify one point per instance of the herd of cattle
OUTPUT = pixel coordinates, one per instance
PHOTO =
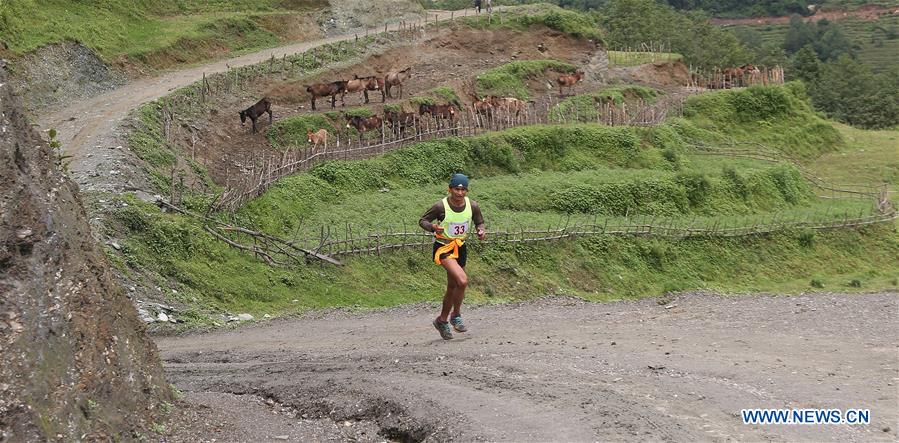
(483, 108)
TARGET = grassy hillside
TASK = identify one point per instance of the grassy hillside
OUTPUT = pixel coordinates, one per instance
(537, 177)
(153, 31)
(877, 42)
(869, 157)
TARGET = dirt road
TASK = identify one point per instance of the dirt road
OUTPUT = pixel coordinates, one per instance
(555, 369)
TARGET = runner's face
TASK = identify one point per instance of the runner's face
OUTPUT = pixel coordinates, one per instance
(458, 193)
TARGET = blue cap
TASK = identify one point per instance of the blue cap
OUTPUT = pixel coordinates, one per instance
(458, 181)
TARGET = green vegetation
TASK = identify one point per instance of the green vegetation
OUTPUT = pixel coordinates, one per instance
(509, 80)
(441, 95)
(291, 132)
(630, 23)
(850, 66)
(584, 106)
(780, 118)
(870, 157)
(210, 275)
(874, 44)
(538, 177)
(569, 22)
(158, 33)
(636, 58)
(744, 8)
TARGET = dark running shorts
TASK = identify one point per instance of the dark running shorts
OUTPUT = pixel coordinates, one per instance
(463, 254)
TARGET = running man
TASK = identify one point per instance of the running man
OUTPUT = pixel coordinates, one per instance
(454, 216)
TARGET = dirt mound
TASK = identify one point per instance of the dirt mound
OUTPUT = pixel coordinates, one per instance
(76, 362)
(353, 15)
(56, 75)
(662, 74)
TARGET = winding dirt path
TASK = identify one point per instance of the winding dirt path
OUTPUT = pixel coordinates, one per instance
(556, 369)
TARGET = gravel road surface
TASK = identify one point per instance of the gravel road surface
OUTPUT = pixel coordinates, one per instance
(554, 369)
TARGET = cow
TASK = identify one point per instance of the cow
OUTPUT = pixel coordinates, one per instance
(396, 79)
(326, 89)
(399, 120)
(317, 138)
(363, 124)
(569, 80)
(511, 105)
(253, 112)
(360, 84)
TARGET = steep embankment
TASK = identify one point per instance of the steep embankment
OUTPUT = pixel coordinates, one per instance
(75, 360)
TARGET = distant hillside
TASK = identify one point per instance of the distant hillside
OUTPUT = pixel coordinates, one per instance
(876, 43)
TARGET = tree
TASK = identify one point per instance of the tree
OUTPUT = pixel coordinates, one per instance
(830, 42)
(771, 54)
(799, 34)
(806, 65)
(850, 92)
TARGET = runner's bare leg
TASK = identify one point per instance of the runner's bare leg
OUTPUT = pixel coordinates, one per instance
(456, 282)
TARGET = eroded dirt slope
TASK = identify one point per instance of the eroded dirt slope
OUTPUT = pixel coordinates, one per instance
(76, 363)
(557, 369)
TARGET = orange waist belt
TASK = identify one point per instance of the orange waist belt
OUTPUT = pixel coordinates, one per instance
(452, 247)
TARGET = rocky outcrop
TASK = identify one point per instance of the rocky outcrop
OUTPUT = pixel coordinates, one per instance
(76, 363)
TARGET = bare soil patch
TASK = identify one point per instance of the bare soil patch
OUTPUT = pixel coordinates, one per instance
(558, 369)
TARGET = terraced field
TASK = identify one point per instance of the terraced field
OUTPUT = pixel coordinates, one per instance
(873, 40)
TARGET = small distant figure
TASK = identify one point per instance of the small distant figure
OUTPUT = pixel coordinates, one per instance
(490, 6)
(477, 4)
(569, 80)
(253, 112)
(317, 138)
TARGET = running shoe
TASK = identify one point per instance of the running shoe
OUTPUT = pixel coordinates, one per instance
(444, 329)
(457, 324)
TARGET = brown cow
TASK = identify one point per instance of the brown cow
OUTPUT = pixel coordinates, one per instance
(483, 109)
(399, 120)
(325, 90)
(319, 137)
(373, 83)
(569, 80)
(360, 84)
(253, 112)
(363, 124)
(508, 104)
(396, 79)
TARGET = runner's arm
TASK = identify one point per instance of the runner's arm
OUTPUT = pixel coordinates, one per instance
(478, 220)
(434, 213)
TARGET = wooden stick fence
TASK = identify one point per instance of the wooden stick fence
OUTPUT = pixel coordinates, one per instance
(717, 78)
(330, 243)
